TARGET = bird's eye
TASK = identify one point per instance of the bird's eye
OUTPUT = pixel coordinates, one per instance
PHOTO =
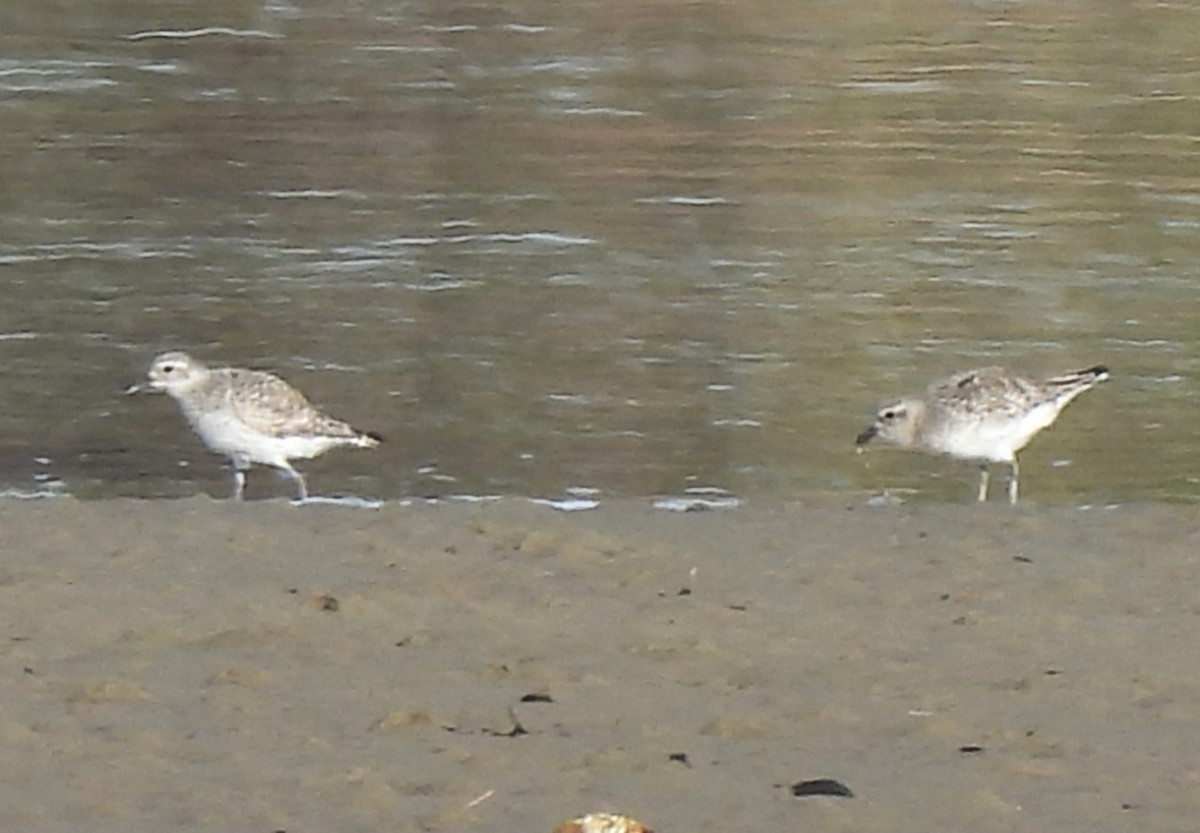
(168, 368)
(889, 414)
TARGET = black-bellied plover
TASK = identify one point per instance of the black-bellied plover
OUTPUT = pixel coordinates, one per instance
(987, 415)
(251, 417)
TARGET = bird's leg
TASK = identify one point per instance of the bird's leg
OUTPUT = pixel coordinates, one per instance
(1012, 481)
(239, 483)
(301, 486)
(983, 482)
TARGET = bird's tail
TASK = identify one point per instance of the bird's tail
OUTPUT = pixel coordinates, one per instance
(366, 439)
(1080, 378)
(1066, 387)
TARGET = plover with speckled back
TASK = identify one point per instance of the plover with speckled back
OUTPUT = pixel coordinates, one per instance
(987, 415)
(251, 417)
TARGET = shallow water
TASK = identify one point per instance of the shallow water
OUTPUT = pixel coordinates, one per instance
(632, 248)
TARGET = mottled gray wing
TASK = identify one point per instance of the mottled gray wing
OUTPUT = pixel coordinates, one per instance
(990, 391)
(271, 406)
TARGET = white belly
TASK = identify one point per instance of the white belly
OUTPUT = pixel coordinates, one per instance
(233, 438)
(997, 439)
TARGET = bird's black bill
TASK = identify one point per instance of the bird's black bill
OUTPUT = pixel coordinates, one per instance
(866, 436)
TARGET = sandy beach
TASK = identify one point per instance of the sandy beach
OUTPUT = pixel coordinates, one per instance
(504, 666)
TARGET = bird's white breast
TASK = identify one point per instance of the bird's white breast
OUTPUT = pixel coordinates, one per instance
(996, 439)
(226, 434)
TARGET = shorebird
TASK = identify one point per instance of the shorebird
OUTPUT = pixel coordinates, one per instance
(251, 417)
(987, 415)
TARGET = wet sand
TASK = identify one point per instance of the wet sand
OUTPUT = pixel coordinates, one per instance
(195, 664)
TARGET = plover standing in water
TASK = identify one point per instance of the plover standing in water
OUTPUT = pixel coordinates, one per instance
(987, 415)
(251, 417)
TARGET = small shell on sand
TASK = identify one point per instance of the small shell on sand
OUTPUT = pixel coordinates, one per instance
(603, 823)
